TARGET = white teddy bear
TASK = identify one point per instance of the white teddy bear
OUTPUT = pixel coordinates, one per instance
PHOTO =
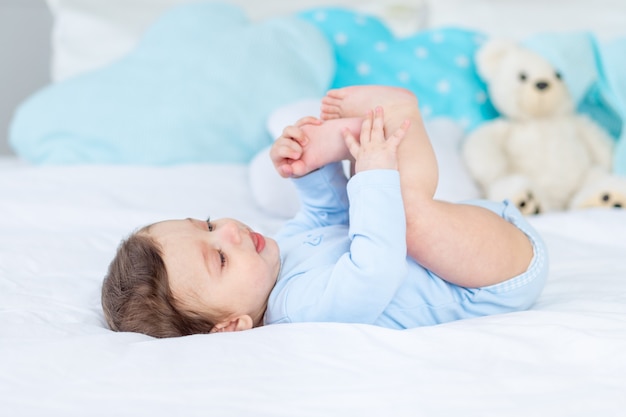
(540, 153)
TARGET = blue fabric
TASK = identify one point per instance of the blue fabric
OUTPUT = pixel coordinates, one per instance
(343, 259)
(595, 74)
(437, 65)
(198, 88)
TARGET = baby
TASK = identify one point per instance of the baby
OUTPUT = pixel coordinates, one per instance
(377, 249)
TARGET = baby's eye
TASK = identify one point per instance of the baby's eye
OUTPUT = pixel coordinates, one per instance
(222, 257)
(209, 224)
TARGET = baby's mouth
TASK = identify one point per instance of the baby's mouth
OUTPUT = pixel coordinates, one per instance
(258, 240)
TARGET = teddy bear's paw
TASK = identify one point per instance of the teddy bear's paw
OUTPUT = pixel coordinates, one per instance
(601, 190)
(518, 190)
(605, 199)
(527, 204)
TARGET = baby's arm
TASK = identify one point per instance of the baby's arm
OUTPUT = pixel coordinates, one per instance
(366, 277)
(323, 195)
(323, 200)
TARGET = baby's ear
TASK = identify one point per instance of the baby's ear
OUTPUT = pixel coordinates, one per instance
(236, 324)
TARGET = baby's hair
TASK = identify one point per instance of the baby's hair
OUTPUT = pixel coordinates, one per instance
(136, 295)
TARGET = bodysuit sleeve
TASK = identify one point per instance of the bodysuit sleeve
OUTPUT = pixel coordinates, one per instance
(365, 279)
(323, 200)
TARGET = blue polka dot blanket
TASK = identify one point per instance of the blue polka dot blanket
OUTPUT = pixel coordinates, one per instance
(437, 65)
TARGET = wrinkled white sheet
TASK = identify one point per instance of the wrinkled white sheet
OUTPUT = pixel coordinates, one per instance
(59, 227)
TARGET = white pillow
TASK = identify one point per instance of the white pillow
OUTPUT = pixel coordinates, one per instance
(88, 34)
(278, 196)
(518, 19)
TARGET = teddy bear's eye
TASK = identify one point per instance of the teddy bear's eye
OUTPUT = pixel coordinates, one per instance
(557, 75)
(522, 76)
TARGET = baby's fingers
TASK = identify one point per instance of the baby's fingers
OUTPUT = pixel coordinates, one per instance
(366, 128)
(378, 122)
(294, 133)
(351, 142)
(286, 148)
(285, 170)
(399, 134)
(308, 120)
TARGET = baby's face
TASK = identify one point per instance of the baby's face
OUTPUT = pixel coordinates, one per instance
(220, 265)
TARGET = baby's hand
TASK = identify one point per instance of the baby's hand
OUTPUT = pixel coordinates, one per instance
(374, 151)
(287, 150)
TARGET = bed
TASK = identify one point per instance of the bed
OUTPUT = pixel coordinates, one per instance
(63, 214)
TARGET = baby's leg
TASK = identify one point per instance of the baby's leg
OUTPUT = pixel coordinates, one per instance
(416, 159)
(467, 245)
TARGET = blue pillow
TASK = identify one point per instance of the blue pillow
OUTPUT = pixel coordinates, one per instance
(437, 65)
(198, 88)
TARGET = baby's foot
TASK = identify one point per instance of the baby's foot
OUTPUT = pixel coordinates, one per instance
(325, 142)
(354, 101)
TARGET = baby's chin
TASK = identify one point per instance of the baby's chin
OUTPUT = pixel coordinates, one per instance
(271, 253)
(271, 246)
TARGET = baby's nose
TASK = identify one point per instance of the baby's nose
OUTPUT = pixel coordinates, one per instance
(232, 232)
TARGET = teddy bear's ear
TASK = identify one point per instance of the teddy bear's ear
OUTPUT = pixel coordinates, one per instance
(490, 55)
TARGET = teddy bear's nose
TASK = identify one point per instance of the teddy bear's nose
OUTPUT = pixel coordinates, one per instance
(542, 85)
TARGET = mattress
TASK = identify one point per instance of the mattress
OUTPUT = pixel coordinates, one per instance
(61, 224)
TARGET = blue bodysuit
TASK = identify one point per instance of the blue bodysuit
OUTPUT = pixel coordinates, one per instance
(343, 259)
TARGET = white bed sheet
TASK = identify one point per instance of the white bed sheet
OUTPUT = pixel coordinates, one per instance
(59, 227)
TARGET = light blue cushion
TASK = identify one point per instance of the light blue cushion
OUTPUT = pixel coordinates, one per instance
(437, 64)
(198, 88)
